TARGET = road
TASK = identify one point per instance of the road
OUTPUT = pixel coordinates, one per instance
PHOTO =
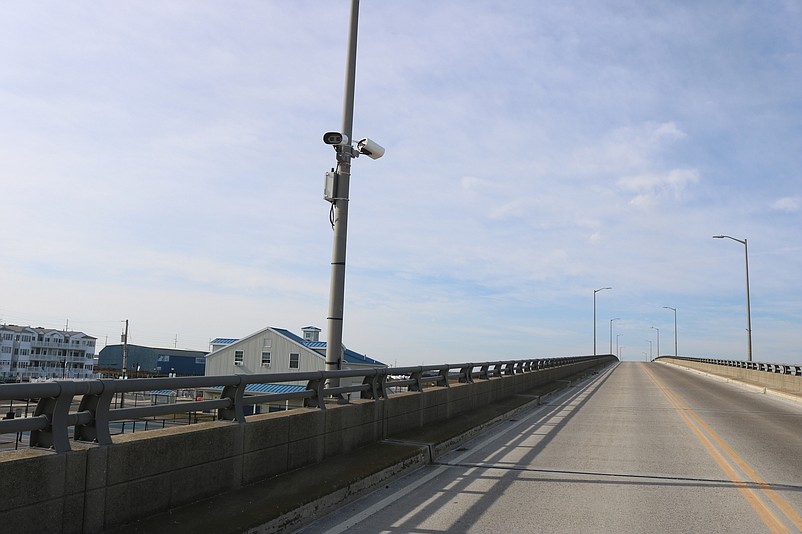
(641, 447)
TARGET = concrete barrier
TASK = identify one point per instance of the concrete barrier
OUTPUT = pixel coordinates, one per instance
(93, 488)
(783, 383)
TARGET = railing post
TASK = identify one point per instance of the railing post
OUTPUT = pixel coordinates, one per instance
(417, 386)
(235, 412)
(444, 376)
(318, 401)
(466, 375)
(57, 410)
(98, 405)
(484, 374)
(373, 391)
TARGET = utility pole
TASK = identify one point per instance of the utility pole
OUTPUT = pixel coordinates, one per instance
(334, 344)
(125, 360)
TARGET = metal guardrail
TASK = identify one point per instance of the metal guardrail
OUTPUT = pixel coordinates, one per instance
(776, 368)
(49, 426)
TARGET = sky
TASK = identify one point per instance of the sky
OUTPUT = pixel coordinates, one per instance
(163, 163)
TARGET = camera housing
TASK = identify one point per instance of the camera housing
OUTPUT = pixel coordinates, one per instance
(370, 148)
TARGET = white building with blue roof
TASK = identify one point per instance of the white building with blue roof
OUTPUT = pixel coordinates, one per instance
(277, 350)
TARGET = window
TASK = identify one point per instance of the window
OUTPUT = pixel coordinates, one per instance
(265, 359)
(295, 360)
(239, 356)
(267, 342)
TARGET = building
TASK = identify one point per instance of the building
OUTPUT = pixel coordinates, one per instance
(276, 350)
(150, 361)
(33, 353)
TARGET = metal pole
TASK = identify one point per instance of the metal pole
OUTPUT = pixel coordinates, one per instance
(594, 316)
(611, 333)
(125, 361)
(748, 303)
(658, 340)
(675, 327)
(334, 345)
(748, 306)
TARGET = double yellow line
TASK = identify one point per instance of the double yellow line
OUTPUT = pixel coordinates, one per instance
(725, 457)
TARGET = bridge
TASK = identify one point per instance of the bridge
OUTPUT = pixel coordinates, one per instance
(559, 445)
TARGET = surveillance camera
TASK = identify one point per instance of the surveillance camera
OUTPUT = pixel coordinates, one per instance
(335, 138)
(370, 148)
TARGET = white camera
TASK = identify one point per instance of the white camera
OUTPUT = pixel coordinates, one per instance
(335, 138)
(370, 148)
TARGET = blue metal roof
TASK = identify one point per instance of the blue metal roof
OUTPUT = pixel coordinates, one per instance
(273, 388)
(224, 340)
(268, 388)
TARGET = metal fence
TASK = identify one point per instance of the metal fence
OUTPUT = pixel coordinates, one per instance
(50, 424)
(776, 368)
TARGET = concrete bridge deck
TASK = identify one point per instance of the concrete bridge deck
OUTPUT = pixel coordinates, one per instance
(637, 448)
(642, 448)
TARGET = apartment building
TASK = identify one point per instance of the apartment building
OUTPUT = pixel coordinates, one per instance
(32, 353)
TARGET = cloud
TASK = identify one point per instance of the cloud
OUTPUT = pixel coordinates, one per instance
(651, 188)
(787, 204)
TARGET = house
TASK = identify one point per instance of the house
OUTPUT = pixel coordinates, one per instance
(30, 353)
(276, 350)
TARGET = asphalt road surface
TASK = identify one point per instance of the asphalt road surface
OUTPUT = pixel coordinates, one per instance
(641, 447)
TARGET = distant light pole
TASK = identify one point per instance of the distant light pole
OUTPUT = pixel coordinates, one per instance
(611, 333)
(617, 346)
(658, 340)
(675, 327)
(651, 357)
(748, 306)
(594, 316)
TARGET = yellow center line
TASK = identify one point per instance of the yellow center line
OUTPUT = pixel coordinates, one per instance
(765, 487)
(702, 432)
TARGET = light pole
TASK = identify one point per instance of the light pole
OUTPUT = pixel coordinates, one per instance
(748, 306)
(658, 340)
(617, 346)
(611, 333)
(675, 327)
(651, 357)
(594, 316)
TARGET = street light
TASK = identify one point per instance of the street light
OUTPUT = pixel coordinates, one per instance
(675, 327)
(651, 357)
(617, 347)
(611, 333)
(594, 316)
(748, 311)
(336, 190)
(658, 340)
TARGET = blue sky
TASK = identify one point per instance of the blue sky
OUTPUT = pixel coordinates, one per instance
(163, 163)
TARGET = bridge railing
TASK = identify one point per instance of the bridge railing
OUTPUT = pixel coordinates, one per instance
(52, 419)
(776, 368)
